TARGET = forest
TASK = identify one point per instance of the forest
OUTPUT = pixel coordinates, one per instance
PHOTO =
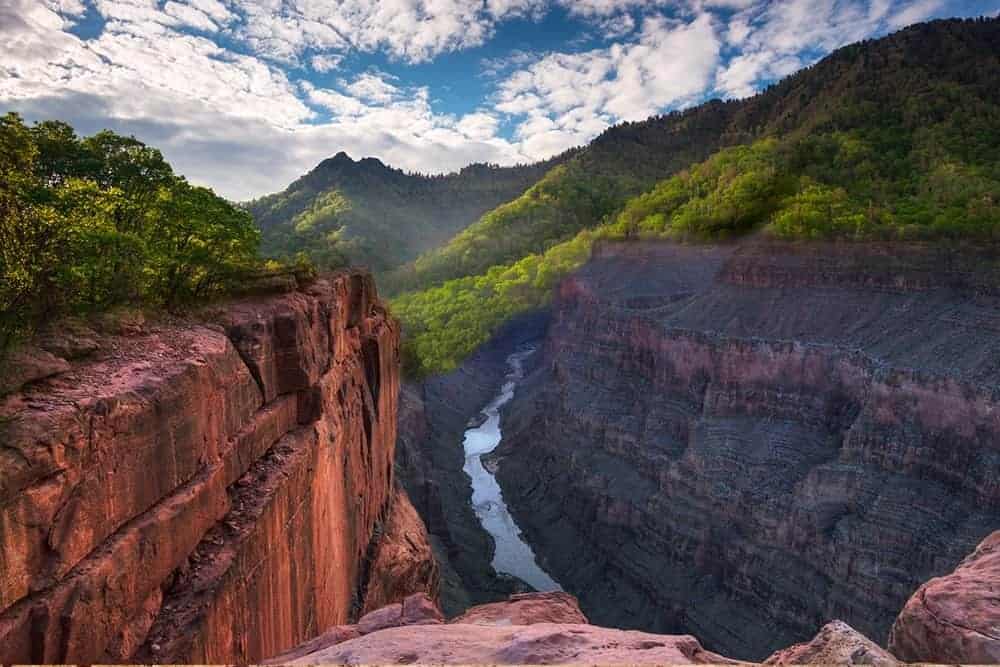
(90, 223)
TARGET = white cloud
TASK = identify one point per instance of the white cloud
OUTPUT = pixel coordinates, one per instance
(774, 38)
(373, 87)
(569, 98)
(480, 125)
(409, 30)
(916, 12)
(219, 85)
(190, 16)
(325, 63)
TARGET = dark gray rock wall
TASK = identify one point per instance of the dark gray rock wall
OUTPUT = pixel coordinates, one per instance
(745, 442)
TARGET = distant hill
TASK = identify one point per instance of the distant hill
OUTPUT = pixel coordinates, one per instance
(364, 212)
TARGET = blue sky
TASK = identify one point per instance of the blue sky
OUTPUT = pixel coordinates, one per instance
(246, 95)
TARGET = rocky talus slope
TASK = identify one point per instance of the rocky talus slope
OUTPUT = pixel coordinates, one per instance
(214, 492)
(743, 442)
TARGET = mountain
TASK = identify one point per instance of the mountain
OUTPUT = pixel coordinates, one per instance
(910, 79)
(895, 138)
(364, 212)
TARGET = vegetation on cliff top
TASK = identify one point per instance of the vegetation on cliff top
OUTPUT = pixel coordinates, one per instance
(90, 223)
(893, 139)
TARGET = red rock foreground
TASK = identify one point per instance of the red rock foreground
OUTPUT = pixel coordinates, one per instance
(539, 628)
(535, 628)
(949, 619)
(207, 492)
(955, 618)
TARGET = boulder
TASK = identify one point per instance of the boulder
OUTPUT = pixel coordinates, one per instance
(27, 365)
(955, 618)
(417, 609)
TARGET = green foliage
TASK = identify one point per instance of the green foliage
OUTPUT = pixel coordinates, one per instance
(896, 138)
(89, 223)
(346, 212)
(565, 201)
(445, 324)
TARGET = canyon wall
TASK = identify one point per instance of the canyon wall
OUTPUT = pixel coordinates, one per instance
(212, 491)
(743, 442)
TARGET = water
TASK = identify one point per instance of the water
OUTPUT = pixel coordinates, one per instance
(513, 555)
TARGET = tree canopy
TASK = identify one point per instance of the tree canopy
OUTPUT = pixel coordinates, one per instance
(90, 222)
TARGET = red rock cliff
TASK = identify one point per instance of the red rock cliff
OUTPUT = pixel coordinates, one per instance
(204, 493)
(955, 618)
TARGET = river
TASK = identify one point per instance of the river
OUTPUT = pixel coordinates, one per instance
(513, 555)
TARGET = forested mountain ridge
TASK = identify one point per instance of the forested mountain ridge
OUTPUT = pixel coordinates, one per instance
(896, 138)
(908, 79)
(364, 212)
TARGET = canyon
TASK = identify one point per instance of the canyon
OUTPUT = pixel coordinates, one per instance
(742, 442)
(757, 451)
(216, 490)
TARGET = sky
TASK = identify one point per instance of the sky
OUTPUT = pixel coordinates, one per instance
(246, 95)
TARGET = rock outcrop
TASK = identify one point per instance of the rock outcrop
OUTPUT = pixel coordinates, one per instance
(742, 442)
(955, 618)
(526, 609)
(403, 561)
(205, 492)
(519, 631)
(837, 643)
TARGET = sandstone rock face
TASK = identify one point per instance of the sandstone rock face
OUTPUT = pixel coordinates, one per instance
(403, 563)
(201, 493)
(955, 618)
(744, 442)
(518, 631)
(836, 644)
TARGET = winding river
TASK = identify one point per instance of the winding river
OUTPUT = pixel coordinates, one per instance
(513, 555)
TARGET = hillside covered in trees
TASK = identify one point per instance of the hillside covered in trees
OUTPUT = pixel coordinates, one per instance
(897, 138)
(363, 212)
(89, 223)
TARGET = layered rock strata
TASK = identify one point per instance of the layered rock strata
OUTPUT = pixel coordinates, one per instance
(742, 442)
(203, 492)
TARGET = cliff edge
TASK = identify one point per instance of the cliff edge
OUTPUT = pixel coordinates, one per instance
(207, 492)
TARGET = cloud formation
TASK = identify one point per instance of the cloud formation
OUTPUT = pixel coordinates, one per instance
(245, 95)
